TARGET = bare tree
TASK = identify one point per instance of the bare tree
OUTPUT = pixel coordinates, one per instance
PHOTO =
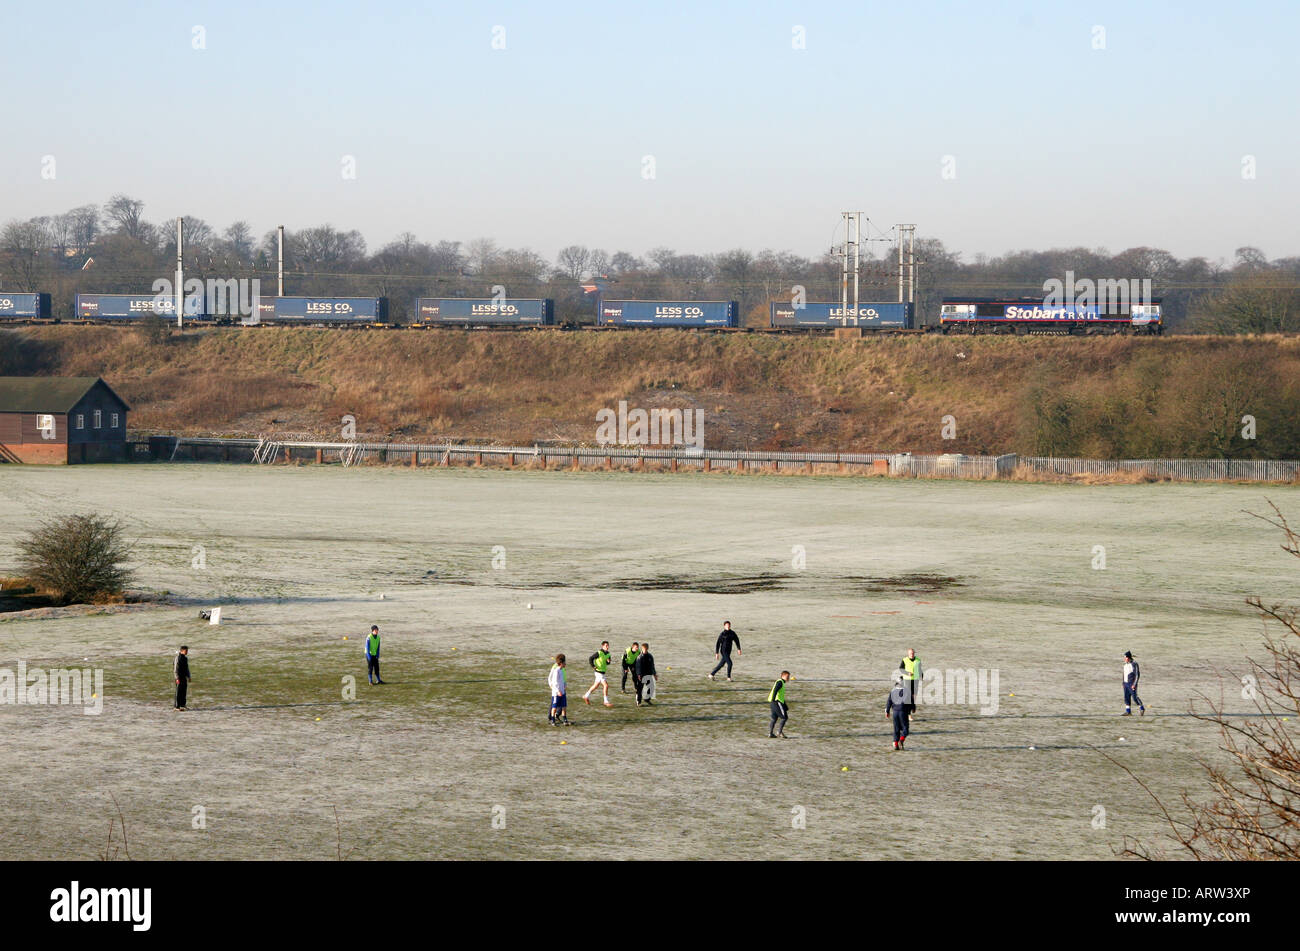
(447, 258)
(624, 263)
(127, 214)
(26, 247)
(239, 239)
(198, 233)
(325, 245)
(482, 254)
(573, 260)
(522, 266)
(85, 226)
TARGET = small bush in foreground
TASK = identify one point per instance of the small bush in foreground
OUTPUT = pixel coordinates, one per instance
(78, 557)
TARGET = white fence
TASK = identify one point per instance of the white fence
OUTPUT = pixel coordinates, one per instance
(951, 465)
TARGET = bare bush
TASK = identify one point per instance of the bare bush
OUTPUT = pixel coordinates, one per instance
(78, 558)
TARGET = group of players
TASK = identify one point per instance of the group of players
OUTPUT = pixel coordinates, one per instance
(639, 664)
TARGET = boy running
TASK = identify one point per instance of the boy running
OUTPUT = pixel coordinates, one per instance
(599, 663)
(559, 701)
(780, 710)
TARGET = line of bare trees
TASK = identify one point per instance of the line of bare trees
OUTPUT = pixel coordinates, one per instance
(114, 248)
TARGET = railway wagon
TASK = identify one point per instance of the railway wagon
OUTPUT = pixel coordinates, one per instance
(485, 311)
(667, 313)
(343, 311)
(24, 306)
(125, 307)
(874, 315)
(1024, 315)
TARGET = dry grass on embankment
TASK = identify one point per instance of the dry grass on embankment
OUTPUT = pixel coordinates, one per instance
(1115, 397)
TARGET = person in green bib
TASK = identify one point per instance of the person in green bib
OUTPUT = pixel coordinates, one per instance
(912, 674)
(629, 663)
(372, 656)
(600, 664)
(780, 710)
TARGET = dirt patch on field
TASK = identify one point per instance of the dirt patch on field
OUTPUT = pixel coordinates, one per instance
(914, 583)
(910, 583)
(739, 584)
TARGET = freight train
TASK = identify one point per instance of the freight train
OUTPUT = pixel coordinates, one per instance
(1020, 315)
(883, 315)
(484, 312)
(1023, 315)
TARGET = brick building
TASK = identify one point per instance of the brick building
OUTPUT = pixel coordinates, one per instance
(61, 420)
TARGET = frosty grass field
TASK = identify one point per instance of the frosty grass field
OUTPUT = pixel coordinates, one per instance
(453, 758)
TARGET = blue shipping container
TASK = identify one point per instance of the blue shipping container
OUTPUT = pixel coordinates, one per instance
(134, 306)
(24, 306)
(870, 315)
(667, 313)
(484, 310)
(322, 310)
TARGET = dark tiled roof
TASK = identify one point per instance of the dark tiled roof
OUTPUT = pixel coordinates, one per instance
(46, 394)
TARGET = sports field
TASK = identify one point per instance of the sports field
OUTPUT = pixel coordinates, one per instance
(832, 578)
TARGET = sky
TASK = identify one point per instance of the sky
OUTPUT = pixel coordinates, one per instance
(696, 126)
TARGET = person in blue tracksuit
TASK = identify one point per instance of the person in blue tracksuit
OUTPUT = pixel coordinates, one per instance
(1131, 676)
(896, 708)
(372, 656)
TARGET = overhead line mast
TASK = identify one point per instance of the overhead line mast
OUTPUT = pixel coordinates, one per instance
(852, 244)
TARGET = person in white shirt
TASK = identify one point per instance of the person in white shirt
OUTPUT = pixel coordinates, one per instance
(559, 700)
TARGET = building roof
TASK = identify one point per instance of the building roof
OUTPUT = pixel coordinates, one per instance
(47, 394)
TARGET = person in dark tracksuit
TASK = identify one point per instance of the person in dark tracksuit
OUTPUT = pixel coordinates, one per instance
(372, 656)
(1131, 676)
(780, 710)
(629, 665)
(896, 707)
(646, 676)
(181, 674)
(722, 649)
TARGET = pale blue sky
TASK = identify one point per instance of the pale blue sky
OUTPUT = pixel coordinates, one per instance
(755, 144)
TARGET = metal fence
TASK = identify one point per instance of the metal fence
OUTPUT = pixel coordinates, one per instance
(270, 450)
(1183, 470)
